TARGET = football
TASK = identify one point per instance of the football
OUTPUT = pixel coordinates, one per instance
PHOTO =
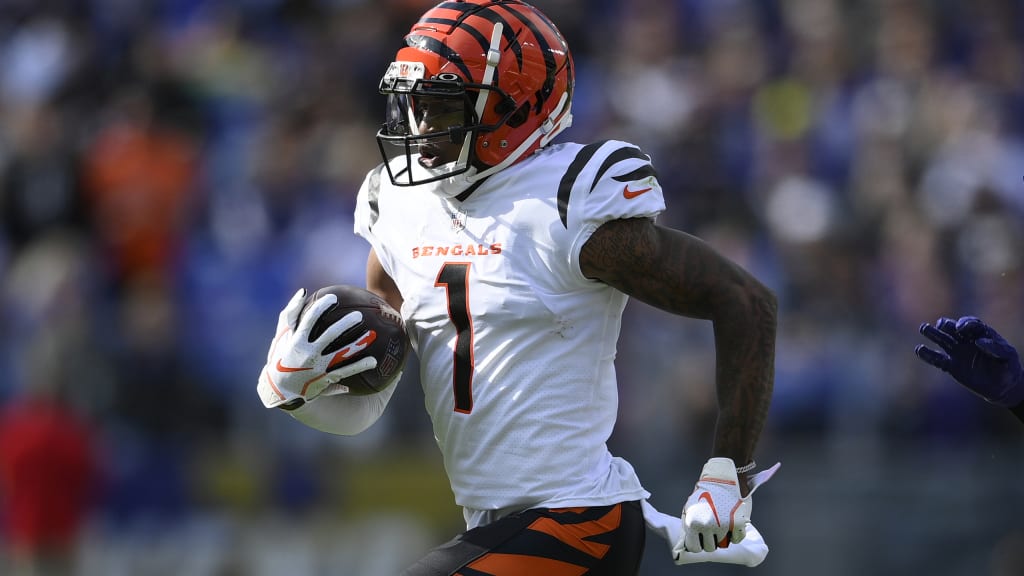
(390, 343)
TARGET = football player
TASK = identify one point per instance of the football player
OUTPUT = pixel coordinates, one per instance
(511, 260)
(979, 358)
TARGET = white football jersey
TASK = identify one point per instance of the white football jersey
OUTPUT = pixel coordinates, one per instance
(516, 346)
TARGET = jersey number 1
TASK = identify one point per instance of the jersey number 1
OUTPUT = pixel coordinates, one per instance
(454, 278)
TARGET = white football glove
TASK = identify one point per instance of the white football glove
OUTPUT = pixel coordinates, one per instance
(715, 515)
(297, 370)
(751, 552)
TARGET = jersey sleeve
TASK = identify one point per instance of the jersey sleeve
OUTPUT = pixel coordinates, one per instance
(367, 214)
(611, 180)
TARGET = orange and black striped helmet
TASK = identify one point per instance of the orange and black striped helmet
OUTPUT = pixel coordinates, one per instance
(502, 63)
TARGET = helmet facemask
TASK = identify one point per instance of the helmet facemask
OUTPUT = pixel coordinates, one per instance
(431, 125)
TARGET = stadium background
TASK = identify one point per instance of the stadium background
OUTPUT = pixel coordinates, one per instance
(171, 171)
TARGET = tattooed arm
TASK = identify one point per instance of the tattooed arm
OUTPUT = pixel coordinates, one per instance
(681, 274)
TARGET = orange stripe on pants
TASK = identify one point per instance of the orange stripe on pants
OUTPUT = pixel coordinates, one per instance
(575, 535)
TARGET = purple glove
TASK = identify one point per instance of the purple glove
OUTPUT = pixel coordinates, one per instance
(977, 357)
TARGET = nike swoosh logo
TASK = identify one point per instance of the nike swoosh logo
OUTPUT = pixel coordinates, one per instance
(283, 368)
(630, 194)
(706, 496)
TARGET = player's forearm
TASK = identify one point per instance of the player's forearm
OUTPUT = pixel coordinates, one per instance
(684, 275)
(745, 369)
(699, 282)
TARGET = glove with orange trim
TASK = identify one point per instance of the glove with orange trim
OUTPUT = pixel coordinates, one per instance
(716, 515)
(297, 368)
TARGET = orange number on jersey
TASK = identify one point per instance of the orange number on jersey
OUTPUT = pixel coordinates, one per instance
(454, 278)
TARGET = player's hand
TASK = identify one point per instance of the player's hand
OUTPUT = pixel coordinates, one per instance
(751, 552)
(977, 356)
(297, 369)
(716, 514)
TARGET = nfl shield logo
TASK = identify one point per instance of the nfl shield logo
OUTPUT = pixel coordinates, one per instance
(458, 219)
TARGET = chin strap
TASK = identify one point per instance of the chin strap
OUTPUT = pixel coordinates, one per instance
(545, 133)
(551, 127)
(455, 185)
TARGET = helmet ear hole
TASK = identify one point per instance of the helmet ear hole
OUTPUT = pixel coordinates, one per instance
(519, 117)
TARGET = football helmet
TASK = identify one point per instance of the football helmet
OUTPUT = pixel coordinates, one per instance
(479, 85)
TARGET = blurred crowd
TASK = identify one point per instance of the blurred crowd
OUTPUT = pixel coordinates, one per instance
(171, 171)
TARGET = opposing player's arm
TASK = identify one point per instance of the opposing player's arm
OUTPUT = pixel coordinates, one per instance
(681, 274)
(380, 283)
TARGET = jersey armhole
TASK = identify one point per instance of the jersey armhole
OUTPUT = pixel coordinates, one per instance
(575, 248)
